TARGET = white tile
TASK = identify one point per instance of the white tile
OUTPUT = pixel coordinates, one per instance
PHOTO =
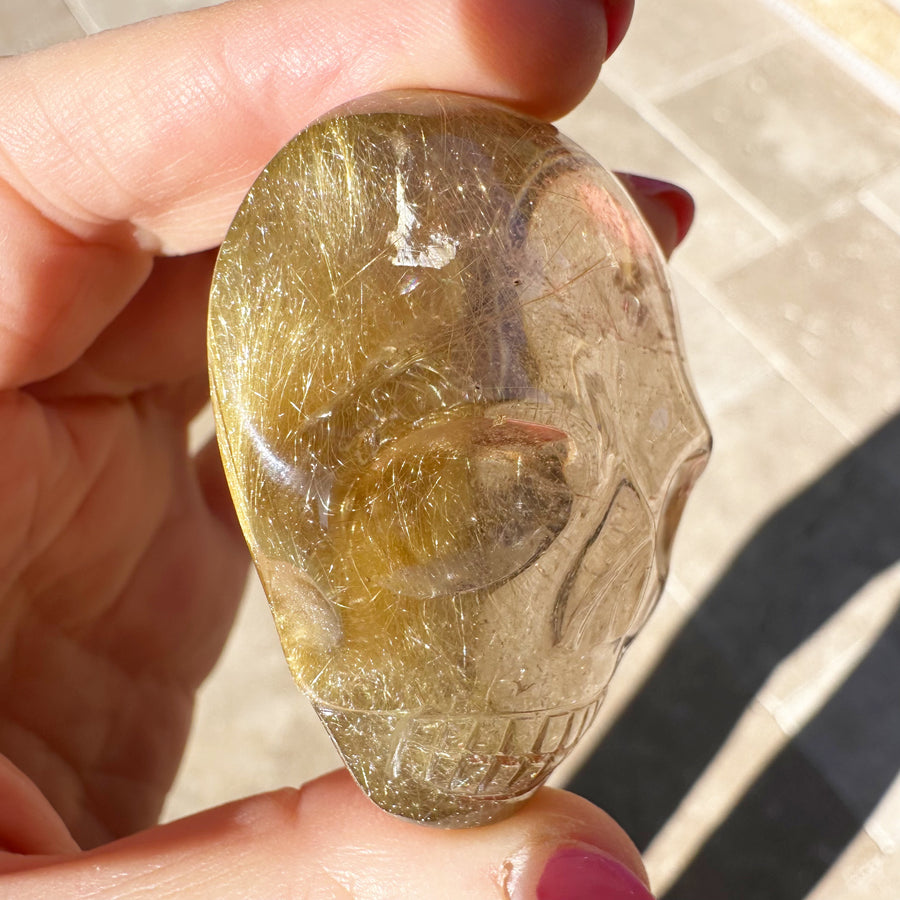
(790, 129)
(882, 197)
(99, 15)
(689, 39)
(724, 231)
(31, 24)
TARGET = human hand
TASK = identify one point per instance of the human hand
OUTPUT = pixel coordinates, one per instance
(122, 160)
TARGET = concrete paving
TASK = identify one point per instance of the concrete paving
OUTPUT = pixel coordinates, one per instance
(751, 740)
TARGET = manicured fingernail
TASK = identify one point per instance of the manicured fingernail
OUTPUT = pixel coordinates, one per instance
(618, 18)
(668, 209)
(577, 873)
(676, 199)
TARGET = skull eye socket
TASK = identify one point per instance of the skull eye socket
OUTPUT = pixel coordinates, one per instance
(456, 507)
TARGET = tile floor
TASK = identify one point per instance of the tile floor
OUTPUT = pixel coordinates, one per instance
(753, 731)
(751, 741)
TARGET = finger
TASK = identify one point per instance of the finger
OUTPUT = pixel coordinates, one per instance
(327, 840)
(667, 208)
(28, 823)
(211, 477)
(158, 340)
(164, 125)
(161, 335)
(618, 18)
(143, 140)
(170, 312)
(56, 291)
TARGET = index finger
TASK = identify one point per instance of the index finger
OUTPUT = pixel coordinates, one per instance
(163, 125)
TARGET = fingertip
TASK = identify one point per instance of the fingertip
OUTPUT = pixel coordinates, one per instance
(539, 851)
(559, 820)
(618, 18)
(583, 873)
(667, 208)
(546, 56)
(28, 823)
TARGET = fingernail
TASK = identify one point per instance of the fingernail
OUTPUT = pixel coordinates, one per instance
(667, 208)
(578, 873)
(618, 18)
(676, 199)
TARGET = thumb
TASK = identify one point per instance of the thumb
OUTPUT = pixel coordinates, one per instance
(143, 140)
(327, 840)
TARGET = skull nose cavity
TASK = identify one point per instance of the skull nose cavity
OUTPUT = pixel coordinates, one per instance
(457, 506)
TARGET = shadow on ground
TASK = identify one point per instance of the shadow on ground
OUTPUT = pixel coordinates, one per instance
(805, 562)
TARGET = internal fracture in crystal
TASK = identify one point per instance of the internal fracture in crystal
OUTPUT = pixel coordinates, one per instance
(456, 424)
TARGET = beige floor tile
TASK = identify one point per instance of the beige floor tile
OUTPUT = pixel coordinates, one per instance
(689, 39)
(791, 129)
(724, 364)
(767, 446)
(883, 825)
(828, 303)
(882, 197)
(863, 872)
(803, 682)
(724, 232)
(854, 743)
(755, 740)
(870, 27)
(31, 24)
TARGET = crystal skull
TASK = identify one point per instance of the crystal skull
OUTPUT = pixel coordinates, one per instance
(459, 434)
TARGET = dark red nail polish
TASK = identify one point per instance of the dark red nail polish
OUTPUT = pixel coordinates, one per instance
(618, 18)
(577, 873)
(676, 200)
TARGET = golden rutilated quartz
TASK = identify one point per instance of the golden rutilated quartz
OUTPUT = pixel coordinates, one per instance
(458, 431)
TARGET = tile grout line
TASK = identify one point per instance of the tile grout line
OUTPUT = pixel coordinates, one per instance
(855, 64)
(780, 365)
(82, 16)
(739, 260)
(880, 209)
(799, 231)
(703, 160)
(775, 700)
(718, 67)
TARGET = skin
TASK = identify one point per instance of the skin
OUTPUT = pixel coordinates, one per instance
(122, 160)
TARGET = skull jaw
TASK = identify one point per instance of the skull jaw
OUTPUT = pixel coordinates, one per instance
(454, 771)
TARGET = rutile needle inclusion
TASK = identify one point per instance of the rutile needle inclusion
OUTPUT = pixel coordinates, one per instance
(459, 434)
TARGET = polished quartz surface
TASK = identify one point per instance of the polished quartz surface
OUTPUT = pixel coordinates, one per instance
(457, 427)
